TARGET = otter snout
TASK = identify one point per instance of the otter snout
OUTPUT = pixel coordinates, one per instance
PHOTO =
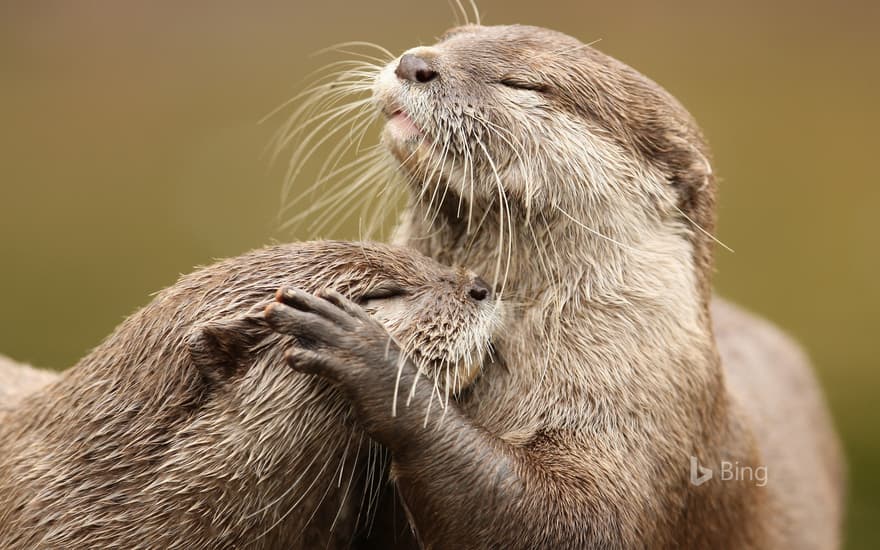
(415, 68)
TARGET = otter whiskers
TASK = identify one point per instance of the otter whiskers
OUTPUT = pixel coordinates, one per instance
(337, 109)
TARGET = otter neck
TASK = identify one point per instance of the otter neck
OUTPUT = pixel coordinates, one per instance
(627, 301)
(531, 251)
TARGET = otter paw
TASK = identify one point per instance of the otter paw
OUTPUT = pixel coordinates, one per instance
(337, 338)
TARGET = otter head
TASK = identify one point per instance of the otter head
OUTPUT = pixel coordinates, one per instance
(443, 325)
(442, 318)
(532, 120)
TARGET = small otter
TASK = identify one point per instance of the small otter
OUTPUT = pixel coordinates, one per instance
(185, 429)
(585, 191)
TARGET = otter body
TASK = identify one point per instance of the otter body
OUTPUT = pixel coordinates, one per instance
(585, 193)
(184, 428)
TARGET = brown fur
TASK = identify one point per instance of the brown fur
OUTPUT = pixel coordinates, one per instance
(585, 191)
(184, 429)
(17, 381)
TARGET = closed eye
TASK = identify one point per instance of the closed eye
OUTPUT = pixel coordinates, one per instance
(519, 83)
(382, 292)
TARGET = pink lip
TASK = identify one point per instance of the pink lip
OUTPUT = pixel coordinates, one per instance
(403, 126)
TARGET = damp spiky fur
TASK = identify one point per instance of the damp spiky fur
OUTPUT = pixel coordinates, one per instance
(186, 429)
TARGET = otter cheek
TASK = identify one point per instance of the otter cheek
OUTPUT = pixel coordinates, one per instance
(388, 311)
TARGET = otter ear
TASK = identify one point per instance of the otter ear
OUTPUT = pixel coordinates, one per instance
(221, 349)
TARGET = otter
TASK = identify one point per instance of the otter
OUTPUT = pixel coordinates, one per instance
(629, 392)
(185, 429)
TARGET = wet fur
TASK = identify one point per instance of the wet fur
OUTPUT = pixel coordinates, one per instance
(185, 429)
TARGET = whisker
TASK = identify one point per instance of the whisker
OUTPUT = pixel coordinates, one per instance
(457, 10)
(354, 470)
(373, 45)
(703, 231)
(476, 10)
(348, 194)
(359, 174)
(504, 217)
(297, 502)
(337, 106)
(318, 84)
(593, 231)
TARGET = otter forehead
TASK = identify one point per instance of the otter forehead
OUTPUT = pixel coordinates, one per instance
(365, 264)
(497, 49)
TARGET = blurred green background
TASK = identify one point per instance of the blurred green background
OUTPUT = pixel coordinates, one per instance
(130, 152)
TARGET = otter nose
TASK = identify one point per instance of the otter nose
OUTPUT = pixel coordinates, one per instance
(415, 69)
(480, 290)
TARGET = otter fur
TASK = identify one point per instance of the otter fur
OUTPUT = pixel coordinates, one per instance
(185, 429)
(585, 193)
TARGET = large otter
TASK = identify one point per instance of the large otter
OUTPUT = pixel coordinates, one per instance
(585, 191)
(184, 428)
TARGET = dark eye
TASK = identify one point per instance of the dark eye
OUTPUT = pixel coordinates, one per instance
(520, 83)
